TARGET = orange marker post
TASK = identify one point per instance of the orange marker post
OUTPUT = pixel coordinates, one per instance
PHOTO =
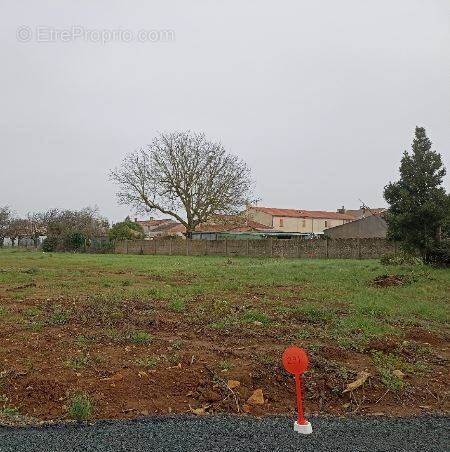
(295, 362)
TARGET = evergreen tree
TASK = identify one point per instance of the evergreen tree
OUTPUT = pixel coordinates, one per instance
(419, 211)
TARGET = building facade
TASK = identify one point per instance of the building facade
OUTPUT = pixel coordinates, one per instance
(300, 221)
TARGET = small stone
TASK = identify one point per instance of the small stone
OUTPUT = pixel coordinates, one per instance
(399, 374)
(232, 384)
(246, 408)
(257, 398)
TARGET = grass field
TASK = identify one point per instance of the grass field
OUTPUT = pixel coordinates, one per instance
(123, 336)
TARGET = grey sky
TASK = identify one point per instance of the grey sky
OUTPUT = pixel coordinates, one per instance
(320, 98)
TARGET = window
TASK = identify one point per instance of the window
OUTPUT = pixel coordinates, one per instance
(281, 222)
(326, 223)
(303, 223)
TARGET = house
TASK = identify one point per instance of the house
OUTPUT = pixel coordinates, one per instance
(152, 223)
(161, 228)
(169, 229)
(230, 226)
(297, 221)
(372, 226)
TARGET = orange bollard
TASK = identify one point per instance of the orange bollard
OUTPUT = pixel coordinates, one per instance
(295, 362)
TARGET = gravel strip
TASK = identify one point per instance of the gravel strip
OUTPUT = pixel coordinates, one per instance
(226, 433)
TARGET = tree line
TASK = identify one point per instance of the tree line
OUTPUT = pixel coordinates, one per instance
(64, 230)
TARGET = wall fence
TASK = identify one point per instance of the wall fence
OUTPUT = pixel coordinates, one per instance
(370, 248)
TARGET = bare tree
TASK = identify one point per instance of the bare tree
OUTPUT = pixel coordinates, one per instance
(5, 218)
(17, 229)
(184, 175)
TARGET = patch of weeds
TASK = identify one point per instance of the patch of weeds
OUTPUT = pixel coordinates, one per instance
(77, 363)
(148, 362)
(311, 313)
(221, 324)
(106, 284)
(31, 271)
(225, 365)
(114, 335)
(9, 411)
(58, 317)
(267, 360)
(82, 341)
(126, 283)
(176, 305)
(313, 347)
(33, 312)
(80, 408)
(356, 342)
(392, 361)
(252, 315)
(177, 345)
(389, 380)
(139, 337)
(3, 311)
(221, 307)
(302, 334)
(173, 359)
(34, 325)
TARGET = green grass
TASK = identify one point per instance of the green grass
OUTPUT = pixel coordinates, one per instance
(80, 408)
(9, 411)
(139, 337)
(310, 297)
(148, 362)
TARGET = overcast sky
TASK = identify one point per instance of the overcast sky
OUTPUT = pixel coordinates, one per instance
(319, 97)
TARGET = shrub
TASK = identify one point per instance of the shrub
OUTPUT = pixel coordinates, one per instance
(400, 258)
(49, 244)
(440, 255)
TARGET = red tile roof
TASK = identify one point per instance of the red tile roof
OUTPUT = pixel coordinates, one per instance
(151, 223)
(295, 213)
(238, 225)
(169, 228)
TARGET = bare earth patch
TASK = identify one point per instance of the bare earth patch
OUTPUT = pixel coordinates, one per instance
(141, 347)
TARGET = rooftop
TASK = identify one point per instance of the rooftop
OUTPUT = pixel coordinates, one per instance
(297, 213)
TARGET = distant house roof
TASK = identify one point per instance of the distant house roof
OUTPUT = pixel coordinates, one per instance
(296, 213)
(365, 212)
(153, 222)
(228, 223)
(171, 227)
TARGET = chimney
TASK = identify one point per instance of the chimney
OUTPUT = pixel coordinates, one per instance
(135, 220)
(341, 210)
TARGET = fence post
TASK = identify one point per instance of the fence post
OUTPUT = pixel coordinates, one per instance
(271, 247)
(247, 247)
(326, 247)
(126, 243)
(226, 247)
(170, 247)
(187, 246)
(359, 248)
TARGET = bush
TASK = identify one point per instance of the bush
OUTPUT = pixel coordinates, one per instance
(75, 241)
(440, 255)
(49, 244)
(400, 258)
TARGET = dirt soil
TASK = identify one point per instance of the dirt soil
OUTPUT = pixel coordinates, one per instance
(389, 280)
(191, 364)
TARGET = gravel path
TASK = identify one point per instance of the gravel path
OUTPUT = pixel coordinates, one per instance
(222, 433)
